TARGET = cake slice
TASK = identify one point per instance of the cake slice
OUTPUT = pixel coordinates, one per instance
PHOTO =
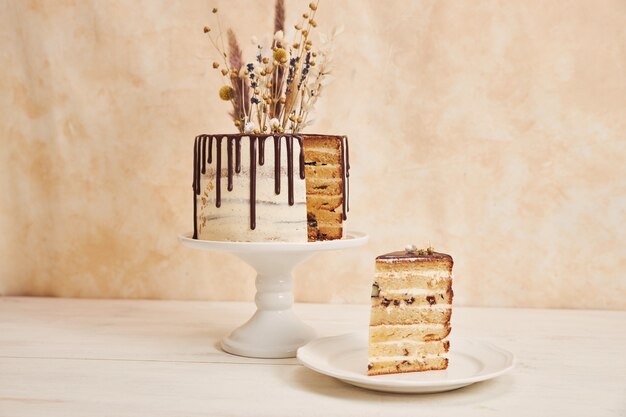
(411, 309)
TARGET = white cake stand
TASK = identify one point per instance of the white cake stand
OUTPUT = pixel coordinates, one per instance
(274, 331)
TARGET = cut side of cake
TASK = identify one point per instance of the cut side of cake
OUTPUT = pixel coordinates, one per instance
(325, 158)
(410, 314)
(256, 188)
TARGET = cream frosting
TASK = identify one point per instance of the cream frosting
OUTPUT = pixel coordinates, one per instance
(412, 291)
(421, 358)
(276, 220)
(420, 326)
(410, 274)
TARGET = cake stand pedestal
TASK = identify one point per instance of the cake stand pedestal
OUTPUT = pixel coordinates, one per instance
(274, 331)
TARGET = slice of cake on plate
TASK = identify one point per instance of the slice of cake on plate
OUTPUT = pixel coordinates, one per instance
(411, 309)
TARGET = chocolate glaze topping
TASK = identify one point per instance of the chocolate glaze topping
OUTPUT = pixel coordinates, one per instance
(204, 140)
(218, 179)
(253, 183)
(257, 143)
(414, 256)
(262, 151)
(230, 163)
(277, 165)
(238, 155)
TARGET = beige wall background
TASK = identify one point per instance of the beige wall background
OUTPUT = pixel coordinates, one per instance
(494, 130)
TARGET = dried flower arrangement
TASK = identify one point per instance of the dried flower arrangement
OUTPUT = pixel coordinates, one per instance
(277, 91)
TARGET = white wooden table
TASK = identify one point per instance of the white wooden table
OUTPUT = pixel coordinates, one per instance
(62, 357)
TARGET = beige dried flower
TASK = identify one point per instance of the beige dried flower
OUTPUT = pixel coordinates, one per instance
(216, 65)
(280, 55)
(312, 6)
(207, 29)
(215, 10)
(224, 71)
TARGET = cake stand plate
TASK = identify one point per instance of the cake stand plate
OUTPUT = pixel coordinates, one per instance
(274, 331)
(345, 358)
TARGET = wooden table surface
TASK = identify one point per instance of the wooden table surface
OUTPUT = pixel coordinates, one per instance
(64, 357)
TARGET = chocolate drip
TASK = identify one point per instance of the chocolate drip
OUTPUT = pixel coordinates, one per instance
(195, 164)
(261, 151)
(218, 172)
(301, 156)
(210, 160)
(253, 183)
(289, 143)
(238, 155)
(277, 164)
(257, 146)
(230, 162)
(204, 139)
(195, 205)
(345, 152)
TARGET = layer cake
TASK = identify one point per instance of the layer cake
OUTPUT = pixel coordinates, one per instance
(410, 314)
(287, 187)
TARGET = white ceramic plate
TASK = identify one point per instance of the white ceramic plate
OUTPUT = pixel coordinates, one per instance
(345, 358)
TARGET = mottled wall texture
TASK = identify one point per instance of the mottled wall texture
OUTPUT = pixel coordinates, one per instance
(494, 130)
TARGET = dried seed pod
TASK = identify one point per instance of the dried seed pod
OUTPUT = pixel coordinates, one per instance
(227, 93)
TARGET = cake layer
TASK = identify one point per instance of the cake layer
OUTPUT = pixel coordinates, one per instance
(408, 348)
(398, 282)
(416, 267)
(411, 315)
(429, 363)
(408, 332)
(324, 202)
(324, 186)
(322, 150)
(411, 298)
(323, 171)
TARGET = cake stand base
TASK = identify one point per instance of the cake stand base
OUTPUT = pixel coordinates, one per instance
(274, 331)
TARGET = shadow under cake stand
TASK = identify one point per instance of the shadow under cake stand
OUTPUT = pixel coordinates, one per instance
(274, 331)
